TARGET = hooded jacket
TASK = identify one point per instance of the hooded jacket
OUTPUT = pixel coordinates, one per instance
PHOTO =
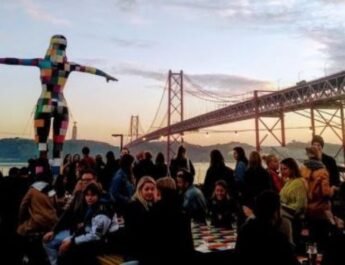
(319, 190)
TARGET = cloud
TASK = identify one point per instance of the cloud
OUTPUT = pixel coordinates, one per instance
(228, 84)
(126, 5)
(132, 43)
(37, 13)
(212, 83)
(265, 13)
(129, 69)
(318, 20)
(333, 1)
(333, 43)
(91, 61)
(131, 9)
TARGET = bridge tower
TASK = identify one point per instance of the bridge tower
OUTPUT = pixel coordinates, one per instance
(134, 128)
(175, 111)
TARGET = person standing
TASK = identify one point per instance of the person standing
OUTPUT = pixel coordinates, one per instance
(181, 162)
(319, 196)
(272, 163)
(328, 161)
(218, 171)
(240, 167)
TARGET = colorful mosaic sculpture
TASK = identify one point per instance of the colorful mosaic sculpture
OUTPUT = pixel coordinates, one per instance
(55, 69)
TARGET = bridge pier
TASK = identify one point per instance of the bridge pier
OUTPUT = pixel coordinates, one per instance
(259, 120)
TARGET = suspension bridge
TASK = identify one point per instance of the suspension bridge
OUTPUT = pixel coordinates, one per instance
(320, 100)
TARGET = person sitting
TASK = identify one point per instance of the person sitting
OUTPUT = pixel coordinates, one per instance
(222, 208)
(193, 201)
(83, 246)
(259, 240)
(172, 236)
(138, 221)
(37, 214)
(70, 219)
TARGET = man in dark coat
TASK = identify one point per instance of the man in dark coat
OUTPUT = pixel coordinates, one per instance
(328, 161)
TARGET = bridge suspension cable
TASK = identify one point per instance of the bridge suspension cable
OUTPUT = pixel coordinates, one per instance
(211, 96)
(157, 111)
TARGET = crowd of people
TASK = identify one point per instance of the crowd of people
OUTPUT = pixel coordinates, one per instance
(143, 209)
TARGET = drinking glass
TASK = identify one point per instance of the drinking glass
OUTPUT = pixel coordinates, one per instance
(311, 249)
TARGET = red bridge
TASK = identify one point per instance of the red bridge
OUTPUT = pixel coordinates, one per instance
(310, 97)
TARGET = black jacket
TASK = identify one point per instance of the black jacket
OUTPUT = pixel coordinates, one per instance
(261, 243)
(215, 173)
(332, 169)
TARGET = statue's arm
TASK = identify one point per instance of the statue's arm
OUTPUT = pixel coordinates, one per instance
(16, 61)
(91, 70)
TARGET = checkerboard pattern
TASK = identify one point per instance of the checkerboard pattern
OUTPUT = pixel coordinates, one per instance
(209, 238)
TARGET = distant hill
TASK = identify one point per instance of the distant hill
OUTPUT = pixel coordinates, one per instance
(20, 150)
(198, 153)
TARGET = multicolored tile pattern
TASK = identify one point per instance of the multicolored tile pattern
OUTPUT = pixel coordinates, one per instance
(51, 105)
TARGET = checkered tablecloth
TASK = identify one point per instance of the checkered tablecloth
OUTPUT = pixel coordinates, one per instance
(208, 238)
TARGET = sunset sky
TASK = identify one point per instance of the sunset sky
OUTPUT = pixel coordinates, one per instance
(226, 47)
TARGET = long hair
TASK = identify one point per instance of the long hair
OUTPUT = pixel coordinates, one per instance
(180, 152)
(138, 192)
(94, 188)
(224, 185)
(291, 164)
(216, 158)
(255, 160)
(160, 159)
(166, 183)
(167, 189)
(241, 155)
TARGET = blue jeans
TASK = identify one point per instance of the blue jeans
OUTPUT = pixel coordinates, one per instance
(52, 247)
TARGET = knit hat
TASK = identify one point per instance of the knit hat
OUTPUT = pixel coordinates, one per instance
(318, 139)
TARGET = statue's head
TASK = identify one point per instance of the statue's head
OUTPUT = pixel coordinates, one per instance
(57, 49)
